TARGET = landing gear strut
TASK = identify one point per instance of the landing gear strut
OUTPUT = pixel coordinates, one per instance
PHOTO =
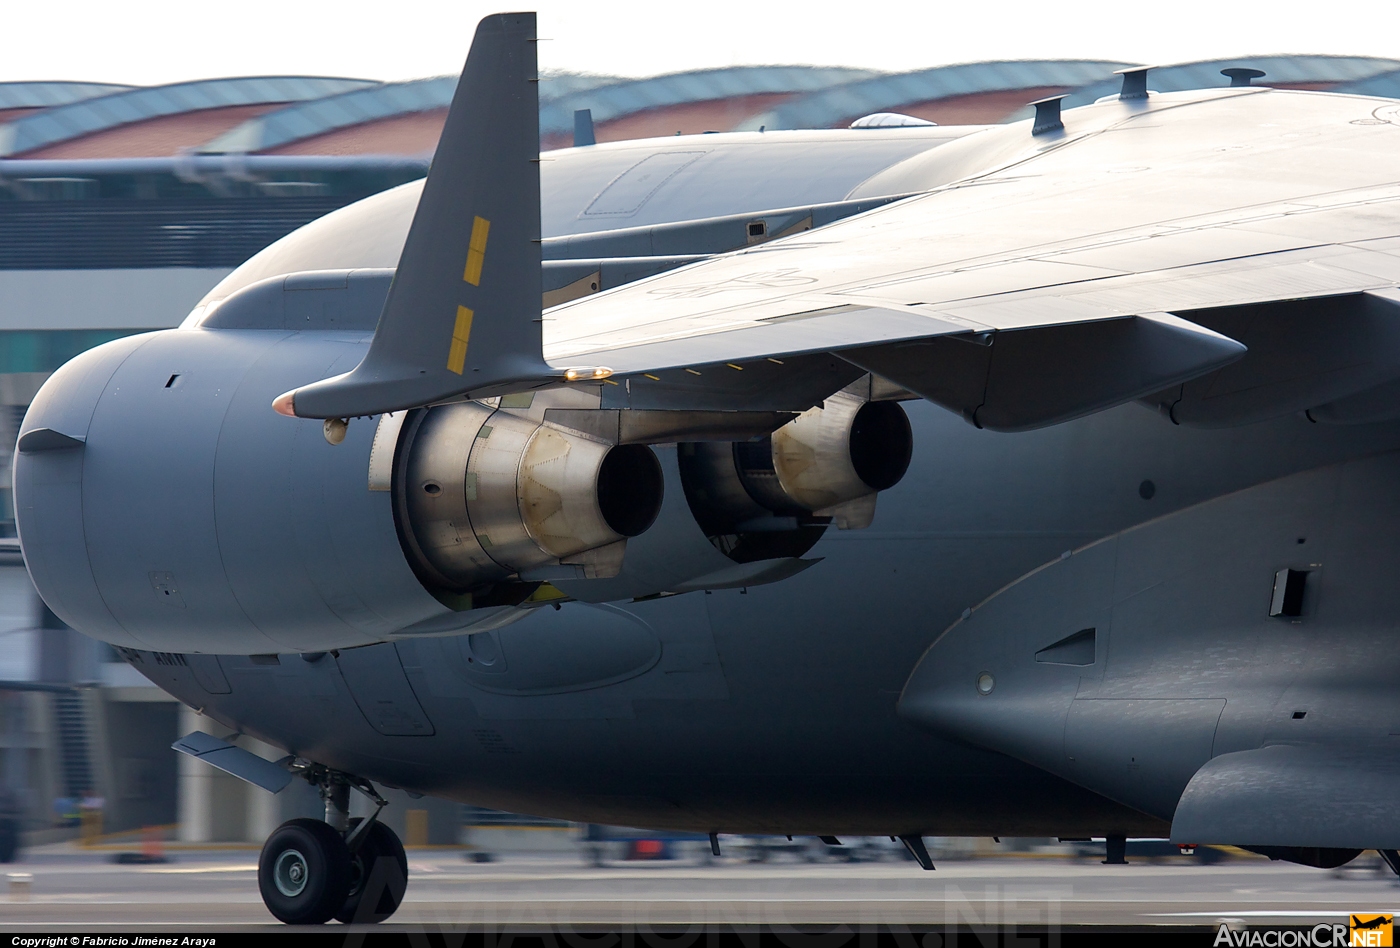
(378, 876)
(311, 871)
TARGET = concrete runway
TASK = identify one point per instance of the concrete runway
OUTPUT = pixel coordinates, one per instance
(82, 892)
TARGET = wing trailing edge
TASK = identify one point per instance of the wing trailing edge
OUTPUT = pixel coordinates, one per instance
(463, 312)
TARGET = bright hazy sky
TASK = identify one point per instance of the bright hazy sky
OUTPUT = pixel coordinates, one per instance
(155, 41)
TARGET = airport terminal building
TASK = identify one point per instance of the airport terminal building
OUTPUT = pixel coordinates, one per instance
(120, 207)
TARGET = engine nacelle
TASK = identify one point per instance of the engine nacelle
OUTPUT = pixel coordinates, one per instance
(772, 496)
(163, 505)
(844, 450)
(482, 494)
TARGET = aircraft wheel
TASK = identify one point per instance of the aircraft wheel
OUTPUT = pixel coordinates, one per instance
(378, 877)
(304, 872)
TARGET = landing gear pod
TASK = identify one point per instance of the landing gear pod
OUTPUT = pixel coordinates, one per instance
(484, 495)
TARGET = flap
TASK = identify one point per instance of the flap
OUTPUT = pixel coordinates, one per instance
(1029, 378)
(1303, 354)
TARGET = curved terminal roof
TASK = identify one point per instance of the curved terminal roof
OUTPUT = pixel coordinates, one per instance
(1312, 72)
(636, 95)
(46, 95)
(303, 120)
(608, 97)
(1385, 84)
(86, 116)
(554, 85)
(838, 105)
(319, 115)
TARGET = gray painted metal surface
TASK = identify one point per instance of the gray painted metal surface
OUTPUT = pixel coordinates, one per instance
(1190, 665)
(1271, 796)
(1008, 249)
(773, 708)
(736, 176)
(1091, 600)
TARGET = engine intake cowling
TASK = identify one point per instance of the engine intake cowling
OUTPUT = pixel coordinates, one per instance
(828, 456)
(483, 495)
(773, 496)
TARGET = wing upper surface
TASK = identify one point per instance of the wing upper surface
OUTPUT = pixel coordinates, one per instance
(1190, 200)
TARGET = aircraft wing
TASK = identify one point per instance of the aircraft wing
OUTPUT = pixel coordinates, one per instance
(1215, 199)
(1194, 200)
(1038, 273)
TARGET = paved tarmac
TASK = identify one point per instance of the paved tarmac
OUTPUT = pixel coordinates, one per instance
(83, 892)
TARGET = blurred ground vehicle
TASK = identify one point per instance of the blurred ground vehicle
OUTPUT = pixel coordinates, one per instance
(604, 844)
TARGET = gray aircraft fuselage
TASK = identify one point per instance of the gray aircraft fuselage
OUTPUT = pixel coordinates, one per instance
(786, 706)
(777, 711)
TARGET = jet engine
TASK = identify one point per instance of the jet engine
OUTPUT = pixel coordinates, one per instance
(162, 504)
(773, 496)
(482, 494)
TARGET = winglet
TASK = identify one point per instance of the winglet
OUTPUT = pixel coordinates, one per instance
(463, 312)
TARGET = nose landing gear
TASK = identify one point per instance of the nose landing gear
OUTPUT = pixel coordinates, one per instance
(352, 870)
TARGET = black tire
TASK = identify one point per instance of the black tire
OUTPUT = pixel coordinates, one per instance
(304, 872)
(9, 839)
(378, 877)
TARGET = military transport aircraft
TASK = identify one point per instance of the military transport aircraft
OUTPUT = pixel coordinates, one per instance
(1039, 479)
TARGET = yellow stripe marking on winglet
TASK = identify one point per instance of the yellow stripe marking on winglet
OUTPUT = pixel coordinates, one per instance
(476, 251)
(461, 332)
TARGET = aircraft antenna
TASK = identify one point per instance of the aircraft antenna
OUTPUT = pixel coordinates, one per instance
(1242, 76)
(1134, 82)
(1047, 115)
